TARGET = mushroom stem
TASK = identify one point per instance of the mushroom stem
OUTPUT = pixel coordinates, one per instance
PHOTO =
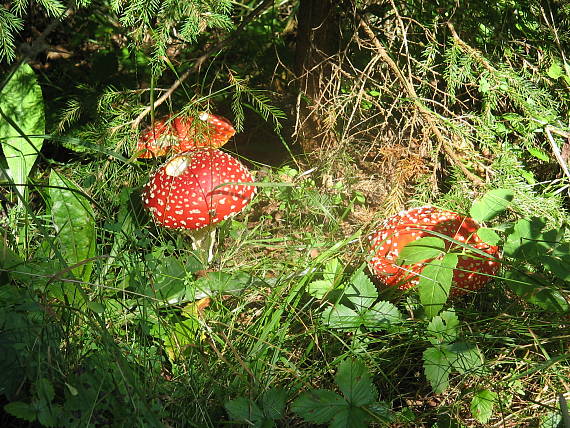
(203, 241)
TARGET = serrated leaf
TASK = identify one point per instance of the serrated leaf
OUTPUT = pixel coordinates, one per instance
(422, 249)
(242, 409)
(74, 222)
(319, 405)
(437, 368)
(273, 403)
(559, 266)
(319, 288)
(333, 268)
(22, 101)
(381, 315)
(361, 291)
(354, 382)
(488, 236)
(482, 405)
(443, 328)
(350, 417)
(491, 204)
(21, 410)
(435, 282)
(341, 317)
(464, 357)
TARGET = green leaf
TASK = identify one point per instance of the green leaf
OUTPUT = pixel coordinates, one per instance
(437, 368)
(361, 291)
(341, 317)
(74, 222)
(44, 389)
(482, 405)
(354, 382)
(491, 204)
(443, 328)
(350, 417)
(21, 410)
(422, 249)
(555, 70)
(435, 282)
(319, 406)
(527, 240)
(319, 288)
(464, 357)
(559, 266)
(533, 291)
(382, 314)
(21, 101)
(488, 236)
(242, 409)
(333, 270)
(539, 154)
(273, 403)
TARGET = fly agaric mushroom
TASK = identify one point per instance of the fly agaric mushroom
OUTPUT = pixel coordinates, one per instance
(195, 190)
(472, 271)
(181, 134)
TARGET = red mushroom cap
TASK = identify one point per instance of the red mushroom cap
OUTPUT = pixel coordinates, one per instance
(401, 229)
(188, 191)
(182, 134)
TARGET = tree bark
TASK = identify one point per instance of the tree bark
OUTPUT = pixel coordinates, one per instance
(317, 41)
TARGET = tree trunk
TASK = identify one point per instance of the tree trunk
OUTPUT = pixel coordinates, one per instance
(317, 41)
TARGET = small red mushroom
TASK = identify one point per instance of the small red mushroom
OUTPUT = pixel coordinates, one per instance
(195, 190)
(175, 135)
(472, 271)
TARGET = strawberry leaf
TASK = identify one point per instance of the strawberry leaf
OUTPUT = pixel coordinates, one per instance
(482, 405)
(319, 406)
(354, 382)
(423, 249)
(435, 282)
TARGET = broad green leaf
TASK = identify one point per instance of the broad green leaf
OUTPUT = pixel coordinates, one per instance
(435, 282)
(167, 281)
(482, 405)
(273, 403)
(423, 249)
(341, 317)
(21, 101)
(559, 266)
(21, 410)
(534, 292)
(350, 417)
(527, 240)
(319, 406)
(219, 282)
(74, 222)
(382, 314)
(361, 291)
(491, 204)
(437, 368)
(180, 336)
(44, 389)
(319, 288)
(488, 236)
(464, 357)
(242, 409)
(555, 70)
(354, 382)
(333, 269)
(443, 328)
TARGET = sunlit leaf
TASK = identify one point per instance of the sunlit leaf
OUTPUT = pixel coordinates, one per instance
(420, 250)
(435, 282)
(74, 222)
(482, 405)
(21, 101)
(491, 204)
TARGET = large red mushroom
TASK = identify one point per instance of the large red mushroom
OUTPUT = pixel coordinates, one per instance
(179, 134)
(195, 190)
(472, 272)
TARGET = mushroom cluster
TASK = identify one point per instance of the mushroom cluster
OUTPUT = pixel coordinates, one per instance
(179, 134)
(472, 271)
(198, 186)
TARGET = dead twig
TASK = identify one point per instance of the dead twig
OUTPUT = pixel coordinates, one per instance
(425, 112)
